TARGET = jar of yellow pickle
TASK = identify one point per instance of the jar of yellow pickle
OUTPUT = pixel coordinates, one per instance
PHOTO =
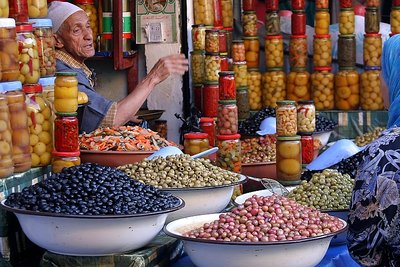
(4, 9)
(395, 19)
(286, 118)
(372, 49)
(346, 21)
(91, 11)
(255, 93)
(203, 11)
(227, 13)
(274, 51)
(37, 9)
(322, 50)
(29, 66)
(347, 90)
(322, 21)
(274, 87)
(240, 69)
(195, 143)
(197, 66)
(298, 54)
(371, 97)
(249, 23)
(298, 85)
(6, 152)
(288, 160)
(8, 51)
(66, 92)
(212, 64)
(63, 160)
(252, 48)
(322, 88)
(238, 51)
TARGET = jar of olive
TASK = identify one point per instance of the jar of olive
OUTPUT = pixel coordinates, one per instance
(346, 21)
(322, 21)
(347, 91)
(371, 97)
(252, 48)
(322, 50)
(347, 50)
(322, 88)
(203, 11)
(63, 160)
(298, 54)
(212, 41)
(395, 19)
(305, 117)
(242, 99)
(240, 69)
(227, 119)
(6, 151)
(195, 143)
(274, 51)
(372, 20)
(288, 160)
(255, 92)
(298, 85)
(229, 152)
(9, 55)
(249, 23)
(212, 67)
(272, 23)
(66, 92)
(286, 118)
(274, 87)
(29, 66)
(238, 51)
(372, 49)
(91, 11)
(199, 37)
(227, 13)
(197, 66)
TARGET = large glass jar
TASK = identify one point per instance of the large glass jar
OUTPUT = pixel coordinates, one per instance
(347, 91)
(91, 11)
(395, 19)
(40, 121)
(307, 149)
(271, 5)
(229, 40)
(4, 9)
(207, 125)
(195, 143)
(298, 86)
(322, 50)
(274, 87)
(298, 22)
(227, 87)
(347, 50)
(272, 23)
(346, 21)
(212, 67)
(63, 160)
(255, 92)
(222, 41)
(286, 118)
(373, 3)
(203, 11)
(298, 4)
(217, 13)
(29, 66)
(371, 97)
(249, 23)
(322, 21)
(37, 8)
(321, 4)
(224, 61)
(242, 100)
(66, 92)
(48, 88)
(227, 13)
(8, 51)
(229, 153)
(396, 3)
(240, 69)
(249, 5)
(238, 51)
(66, 132)
(298, 54)
(346, 3)
(372, 20)
(372, 49)
(274, 51)
(198, 96)
(199, 37)
(288, 159)
(322, 87)
(6, 152)
(227, 119)
(19, 10)
(197, 66)
(252, 48)
(212, 41)
(305, 117)
(210, 99)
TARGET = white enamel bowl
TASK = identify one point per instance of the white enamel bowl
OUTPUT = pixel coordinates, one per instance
(341, 238)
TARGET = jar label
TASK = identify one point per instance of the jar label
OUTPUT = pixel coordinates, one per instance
(107, 22)
(126, 22)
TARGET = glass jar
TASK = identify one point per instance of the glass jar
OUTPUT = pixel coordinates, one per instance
(286, 118)
(322, 21)
(18, 10)
(48, 88)
(198, 96)
(372, 49)
(346, 3)
(227, 13)
(197, 66)
(288, 159)
(195, 143)
(29, 66)
(224, 61)
(298, 4)
(249, 23)
(298, 54)
(66, 92)
(252, 48)
(395, 19)
(40, 121)
(321, 4)
(271, 5)
(207, 125)
(255, 92)
(227, 87)
(305, 117)
(371, 97)
(372, 20)
(274, 87)
(347, 50)
(240, 69)
(6, 151)
(249, 5)
(9, 67)
(199, 37)
(4, 10)
(217, 14)
(91, 11)
(203, 11)
(346, 21)
(229, 39)
(298, 22)
(66, 132)
(229, 153)
(372, 3)
(307, 149)
(242, 99)
(322, 50)
(238, 51)
(222, 41)
(274, 51)
(347, 91)
(212, 67)
(210, 99)
(63, 160)
(37, 8)
(227, 119)
(161, 127)
(322, 88)
(212, 41)
(298, 85)
(272, 23)
(395, 3)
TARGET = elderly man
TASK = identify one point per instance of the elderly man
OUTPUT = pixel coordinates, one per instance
(74, 44)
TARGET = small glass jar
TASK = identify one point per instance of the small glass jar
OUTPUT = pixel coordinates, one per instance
(242, 100)
(37, 8)
(66, 92)
(322, 21)
(29, 66)
(272, 5)
(197, 66)
(227, 87)
(307, 149)
(9, 54)
(217, 13)
(252, 48)
(212, 67)
(322, 50)
(305, 117)
(229, 153)
(321, 4)
(227, 119)
(298, 22)
(210, 99)
(372, 3)
(372, 49)
(346, 21)
(298, 85)
(395, 19)
(63, 160)
(91, 11)
(198, 96)
(298, 4)
(298, 54)
(249, 23)
(322, 87)
(288, 159)
(255, 92)
(372, 20)
(272, 23)
(161, 127)
(4, 9)
(229, 39)
(48, 88)
(249, 5)
(347, 50)
(222, 41)
(346, 3)
(18, 10)
(347, 91)
(240, 69)
(199, 37)
(238, 51)
(6, 151)
(66, 132)
(286, 118)
(370, 84)
(227, 13)
(207, 125)
(203, 11)
(224, 61)
(274, 87)
(195, 143)
(274, 51)
(212, 41)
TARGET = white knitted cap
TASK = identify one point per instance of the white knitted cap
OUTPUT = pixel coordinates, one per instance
(60, 11)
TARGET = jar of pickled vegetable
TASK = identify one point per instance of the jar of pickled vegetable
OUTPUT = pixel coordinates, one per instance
(37, 8)
(4, 9)
(322, 50)
(229, 39)
(372, 3)
(66, 132)
(395, 19)
(249, 5)
(197, 66)
(198, 96)
(212, 41)
(229, 153)
(346, 21)
(274, 87)
(252, 48)
(322, 21)
(272, 5)
(288, 159)
(249, 23)
(238, 51)
(347, 91)
(199, 37)
(274, 51)
(305, 117)
(63, 160)
(255, 92)
(321, 4)
(222, 41)
(347, 50)
(346, 3)
(298, 54)
(298, 22)
(227, 13)
(195, 143)
(272, 23)
(224, 61)
(227, 87)
(307, 149)
(227, 119)
(8, 51)
(210, 99)
(240, 69)
(298, 85)
(40, 121)
(29, 56)
(217, 14)
(212, 67)
(242, 100)
(372, 49)
(48, 89)
(6, 150)
(203, 11)
(371, 97)
(298, 4)
(372, 20)
(207, 125)
(286, 118)
(66, 92)
(18, 10)
(322, 87)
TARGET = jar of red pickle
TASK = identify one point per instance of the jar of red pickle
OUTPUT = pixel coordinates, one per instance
(307, 149)
(321, 4)
(395, 3)
(210, 99)
(224, 61)
(198, 96)
(238, 51)
(19, 10)
(249, 5)
(227, 119)
(222, 41)
(346, 3)
(198, 37)
(271, 5)
(217, 13)
(195, 143)
(252, 48)
(298, 4)
(298, 22)
(63, 160)
(229, 152)
(227, 87)
(373, 3)
(298, 54)
(288, 160)
(66, 132)
(249, 23)
(207, 125)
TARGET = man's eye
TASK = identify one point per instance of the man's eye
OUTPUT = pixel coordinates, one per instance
(77, 30)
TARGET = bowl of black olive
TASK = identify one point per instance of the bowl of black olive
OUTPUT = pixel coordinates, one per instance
(91, 210)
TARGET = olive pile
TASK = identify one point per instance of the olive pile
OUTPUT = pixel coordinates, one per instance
(327, 190)
(252, 124)
(179, 171)
(323, 124)
(367, 138)
(259, 149)
(91, 189)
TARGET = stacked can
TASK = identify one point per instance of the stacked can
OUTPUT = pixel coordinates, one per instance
(370, 93)
(395, 17)
(347, 91)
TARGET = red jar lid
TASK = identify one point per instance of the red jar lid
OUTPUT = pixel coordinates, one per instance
(322, 36)
(66, 154)
(372, 35)
(298, 36)
(273, 37)
(206, 119)
(84, 2)
(228, 29)
(228, 137)
(26, 27)
(32, 88)
(322, 68)
(195, 135)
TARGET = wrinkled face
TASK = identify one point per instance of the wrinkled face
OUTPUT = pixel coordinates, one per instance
(75, 36)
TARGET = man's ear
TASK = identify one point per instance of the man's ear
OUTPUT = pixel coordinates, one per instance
(58, 42)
